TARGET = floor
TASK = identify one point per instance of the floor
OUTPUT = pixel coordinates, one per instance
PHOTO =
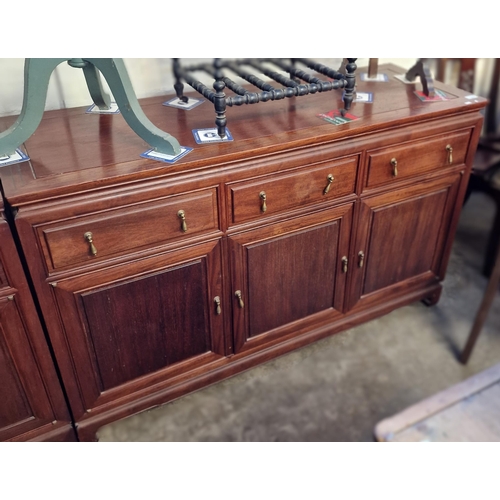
(339, 388)
(465, 412)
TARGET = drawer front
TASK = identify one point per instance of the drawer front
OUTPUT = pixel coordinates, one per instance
(140, 226)
(407, 160)
(273, 194)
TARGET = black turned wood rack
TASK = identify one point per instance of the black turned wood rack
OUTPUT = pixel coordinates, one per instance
(298, 83)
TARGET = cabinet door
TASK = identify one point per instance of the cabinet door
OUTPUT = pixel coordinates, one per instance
(25, 404)
(141, 324)
(288, 276)
(401, 239)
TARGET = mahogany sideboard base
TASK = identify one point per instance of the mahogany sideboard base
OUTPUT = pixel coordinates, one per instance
(58, 434)
(87, 429)
(157, 280)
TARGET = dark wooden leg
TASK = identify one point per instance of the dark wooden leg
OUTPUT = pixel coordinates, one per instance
(420, 69)
(491, 110)
(433, 299)
(351, 83)
(372, 68)
(220, 100)
(493, 241)
(482, 314)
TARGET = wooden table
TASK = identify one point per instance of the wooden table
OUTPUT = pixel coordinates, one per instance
(468, 411)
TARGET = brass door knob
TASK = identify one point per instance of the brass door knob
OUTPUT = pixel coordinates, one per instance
(218, 308)
(450, 153)
(240, 300)
(344, 264)
(361, 258)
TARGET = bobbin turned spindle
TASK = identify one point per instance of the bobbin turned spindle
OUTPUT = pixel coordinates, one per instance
(298, 83)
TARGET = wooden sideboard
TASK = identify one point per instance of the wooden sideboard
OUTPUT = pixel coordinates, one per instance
(155, 280)
(32, 405)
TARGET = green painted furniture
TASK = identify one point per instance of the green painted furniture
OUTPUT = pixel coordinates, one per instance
(37, 74)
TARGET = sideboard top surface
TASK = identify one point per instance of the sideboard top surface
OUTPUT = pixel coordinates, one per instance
(74, 151)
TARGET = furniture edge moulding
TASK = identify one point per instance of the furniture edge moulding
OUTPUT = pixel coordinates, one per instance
(50, 189)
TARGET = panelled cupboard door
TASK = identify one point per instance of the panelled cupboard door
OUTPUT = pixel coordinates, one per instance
(288, 275)
(401, 239)
(140, 324)
(24, 402)
(32, 405)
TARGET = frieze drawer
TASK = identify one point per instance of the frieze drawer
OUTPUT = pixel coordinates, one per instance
(117, 232)
(270, 195)
(387, 165)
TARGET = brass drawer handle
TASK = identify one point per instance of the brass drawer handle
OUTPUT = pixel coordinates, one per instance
(329, 180)
(240, 300)
(263, 197)
(450, 153)
(182, 216)
(88, 236)
(344, 264)
(394, 164)
(361, 258)
(218, 309)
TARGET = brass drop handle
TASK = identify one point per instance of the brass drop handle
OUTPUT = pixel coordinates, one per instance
(88, 236)
(240, 300)
(361, 258)
(218, 309)
(344, 264)
(450, 153)
(182, 216)
(263, 197)
(394, 164)
(329, 180)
